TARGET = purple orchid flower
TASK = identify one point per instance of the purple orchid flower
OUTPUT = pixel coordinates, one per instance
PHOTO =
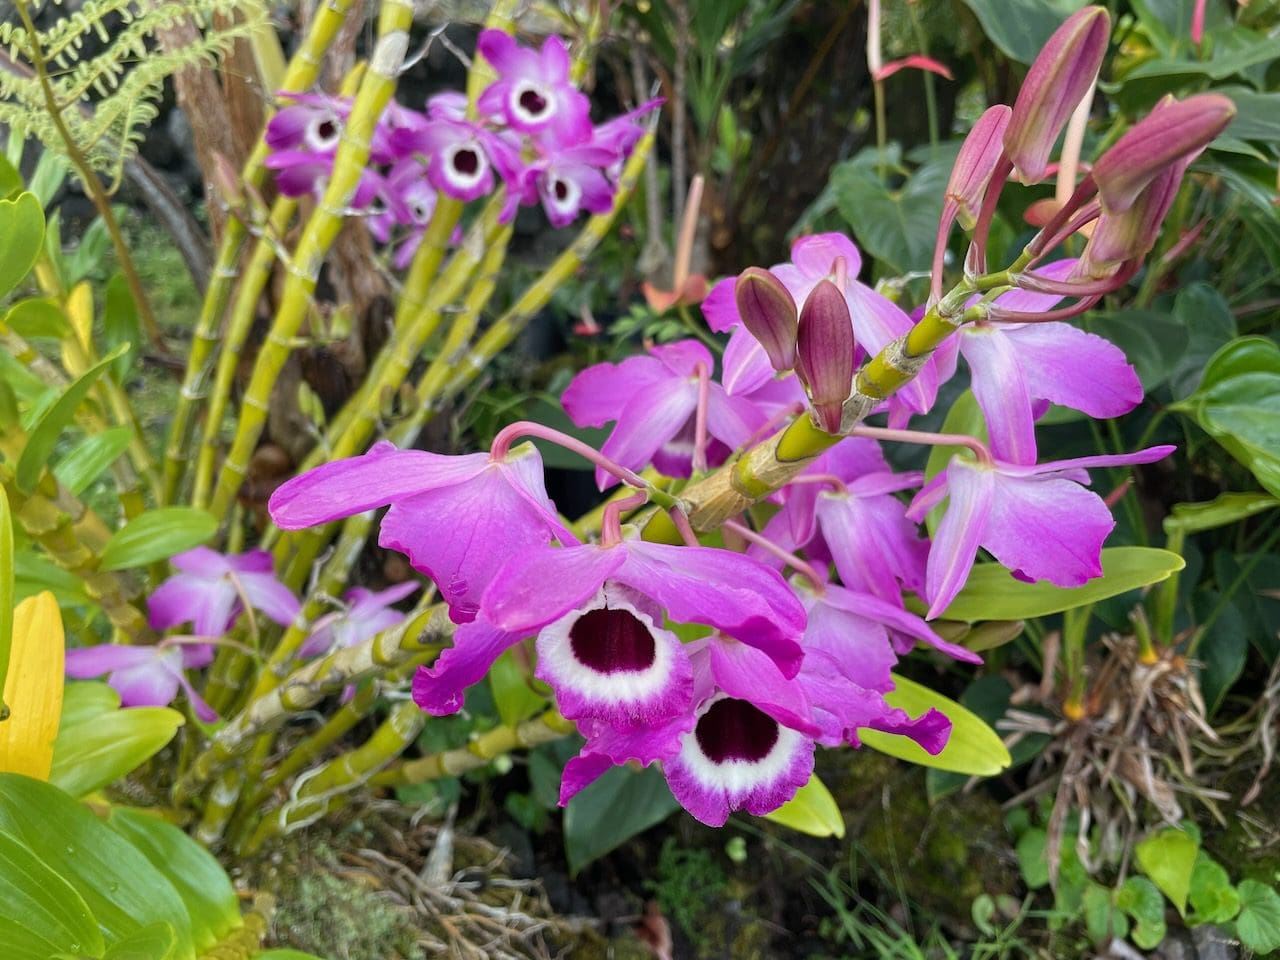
(409, 200)
(597, 612)
(367, 614)
(1037, 520)
(653, 399)
(461, 156)
(569, 180)
(313, 122)
(533, 91)
(458, 519)
(145, 676)
(210, 589)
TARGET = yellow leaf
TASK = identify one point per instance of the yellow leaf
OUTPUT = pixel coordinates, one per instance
(79, 309)
(812, 810)
(33, 689)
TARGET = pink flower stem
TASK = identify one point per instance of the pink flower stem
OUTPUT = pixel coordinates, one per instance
(778, 419)
(182, 640)
(945, 222)
(611, 522)
(928, 439)
(790, 559)
(1083, 193)
(830, 479)
(501, 446)
(700, 418)
(681, 520)
(1089, 214)
(976, 260)
(997, 315)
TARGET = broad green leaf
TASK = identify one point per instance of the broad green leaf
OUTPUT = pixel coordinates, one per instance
(897, 227)
(22, 944)
(45, 435)
(608, 813)
(515, 699)
(1259, 922)
(199, 878)
(988, 697)
(973, 747)
(1225, 650)
(6, 591)
(101, 749)
(83, 465)
(37, 317)
(1168, 857)
(153, 942)
(1212, 897)
(285, 955)
(1189, 518)
(33, 688)
(34, 573)
(157, 534)
(121, 325)
(1153, 342)
(1030, 851)
(992, 592)
(122, 890)
(1139, 898)
(34, 896)
(84, 700)
(21, 234)
(1257, 114)
(1209, 324)
(10, 178)
(1020, 28)
(812, 810)
(1102, 917)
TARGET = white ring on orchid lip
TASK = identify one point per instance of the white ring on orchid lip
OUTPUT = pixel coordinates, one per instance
(737, 778)
(317, 141)
(572, 200)
(518, 109)
(465, 181)
(622, 687)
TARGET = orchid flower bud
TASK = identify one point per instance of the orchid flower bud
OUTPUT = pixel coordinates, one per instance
(1056, 82)
(976, 162)
(824, 353)
(1174, 131)
(769, 314)
(1121, 237)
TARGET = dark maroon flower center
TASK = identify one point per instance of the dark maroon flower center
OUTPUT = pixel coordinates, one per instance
(612, 641)
(561, 190)
(326, 129)
(533, 102)
(466, 162)
(736, 730)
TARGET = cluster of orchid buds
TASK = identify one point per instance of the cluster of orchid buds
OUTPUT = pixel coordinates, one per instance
(727, 665)
(531, 131)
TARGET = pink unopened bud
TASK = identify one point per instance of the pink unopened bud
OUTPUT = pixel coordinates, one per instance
(769, 314)
(976, 162)
(1056, 82)
(824, 353)
(1128, 236)
(1175, 131)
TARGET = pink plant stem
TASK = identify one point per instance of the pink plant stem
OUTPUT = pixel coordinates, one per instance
(1083, 193)
(1116, 495)
(524, 428)
(778, 419)
(830, 479)
(688, 230)
(1086, 216)
(790, 559)
(1066, 288)
(611, 522)
(681, 521)
(976, 260)
(945, 222)
(928, 439)
(996, 315)
(700, 418)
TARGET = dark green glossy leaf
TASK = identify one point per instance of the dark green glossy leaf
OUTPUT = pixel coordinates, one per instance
(157, 534)
(83, 465)
(1153, 342)
(992, 592)
(199, 878)
(1020, 28)
(44, 437)
(122, 890)
(897, 227)
(1257, 114)
(1209, 323)
(34, 896)
(21, 234)
(617, 807)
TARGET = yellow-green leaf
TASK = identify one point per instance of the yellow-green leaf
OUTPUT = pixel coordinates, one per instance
(973, 749)
(99, 749)
(21, 235)
(33, 688)
(1168, 857)
(37, 899)
(6, 593)
(812, 810)
(157, 534)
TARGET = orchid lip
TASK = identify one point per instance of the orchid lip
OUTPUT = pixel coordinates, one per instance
(322, 133)
(530, 103)
(735, 746)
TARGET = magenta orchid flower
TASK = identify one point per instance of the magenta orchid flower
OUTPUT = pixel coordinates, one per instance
(210, 589)
(367, 614)
(147, 676)
(1037, 520)
(570, 180)
(458, 519)
(533, 91)
(653, 398)
(312, 122)
(461, 156)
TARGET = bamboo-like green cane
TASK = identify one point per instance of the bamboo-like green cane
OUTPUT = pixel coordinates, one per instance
(305, 687)
(303, 70)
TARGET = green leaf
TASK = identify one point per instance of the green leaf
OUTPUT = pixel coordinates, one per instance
(1101, 916)
(812, 810)
(515, 699)
(7, 589)
(1030, 851)
(21, 234)
(1020, 28)
(85, 700)
(100, 749)
(120, 325)
(973, 747)
(897, 227)
(33, 573)
(1189, 518)
(992, 592)
(1212, 897)
(46, 433)
(153, 942)
(1259, 922)
(157, 534)
(1168, 857)
(199, 878)
(1153, 342)
(1139, 898)
(988, 697)
(22, 944)
(38, 317)
(1257, 114)
(285, 955)
(1224, 652)
(608, 813)
(83, 465)
(1209, 323)
(35, 896)
(10, 179)
(122, 890)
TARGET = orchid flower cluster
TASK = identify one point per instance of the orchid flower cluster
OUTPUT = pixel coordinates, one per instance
(533, 133)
